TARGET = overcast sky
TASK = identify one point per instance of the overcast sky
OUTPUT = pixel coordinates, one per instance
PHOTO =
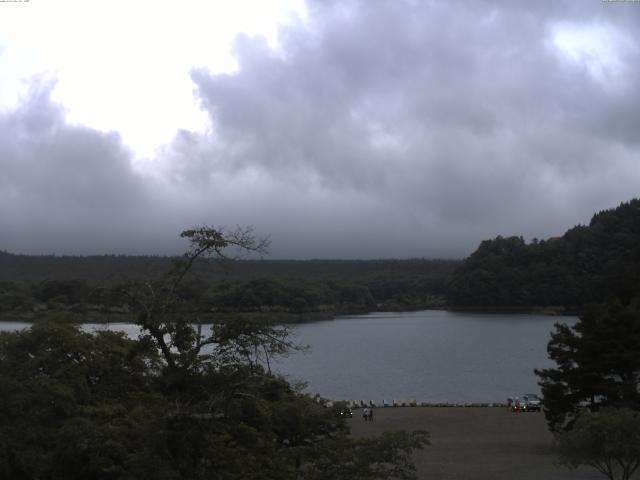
(342, 129)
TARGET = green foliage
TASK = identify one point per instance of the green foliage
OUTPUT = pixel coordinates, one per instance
(293, 290)
(598, 363)
(294, 296)
(177, 403)
(607, 440)
(384, 457)
(62, 291)
(75, 405)
(57, 382)
(14, 296)
(587, 264)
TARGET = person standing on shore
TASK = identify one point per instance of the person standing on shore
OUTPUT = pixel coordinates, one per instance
(365, 414)
(370, 414)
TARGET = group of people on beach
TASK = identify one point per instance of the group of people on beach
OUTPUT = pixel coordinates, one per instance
(367, 414)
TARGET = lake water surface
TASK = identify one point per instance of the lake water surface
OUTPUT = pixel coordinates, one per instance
(432, 356)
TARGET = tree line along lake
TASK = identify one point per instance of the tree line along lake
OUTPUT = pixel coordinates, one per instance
(428, 356)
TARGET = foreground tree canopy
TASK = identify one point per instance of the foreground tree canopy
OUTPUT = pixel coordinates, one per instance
(607, 440)
(176, 403)
(598, 363)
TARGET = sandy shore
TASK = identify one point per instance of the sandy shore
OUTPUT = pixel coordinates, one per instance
(475, 443)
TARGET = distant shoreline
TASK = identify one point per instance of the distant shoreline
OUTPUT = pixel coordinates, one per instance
(286, 318)
(550, 310)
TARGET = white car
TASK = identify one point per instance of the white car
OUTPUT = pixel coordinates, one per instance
(530, 403)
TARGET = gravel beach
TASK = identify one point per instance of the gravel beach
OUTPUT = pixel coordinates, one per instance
(475, 443)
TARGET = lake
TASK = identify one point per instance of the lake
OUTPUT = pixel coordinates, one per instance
(430, 356)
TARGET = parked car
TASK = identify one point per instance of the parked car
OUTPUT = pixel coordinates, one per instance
(530, 403)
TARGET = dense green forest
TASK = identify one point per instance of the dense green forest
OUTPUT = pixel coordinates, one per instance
(587, 264)
(293, 290)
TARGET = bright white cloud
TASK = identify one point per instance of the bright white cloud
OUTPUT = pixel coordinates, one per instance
(123, 65)
(598, 47)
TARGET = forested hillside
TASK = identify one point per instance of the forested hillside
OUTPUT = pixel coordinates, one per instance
(298, 289)
(587, 264)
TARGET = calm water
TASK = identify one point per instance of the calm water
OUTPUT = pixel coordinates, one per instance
(433, 356)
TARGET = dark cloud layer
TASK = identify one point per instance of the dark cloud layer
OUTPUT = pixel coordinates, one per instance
(376, 129)
(61, 185)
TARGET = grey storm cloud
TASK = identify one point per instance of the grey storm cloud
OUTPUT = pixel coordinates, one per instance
(67, 188)
(375, 129)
